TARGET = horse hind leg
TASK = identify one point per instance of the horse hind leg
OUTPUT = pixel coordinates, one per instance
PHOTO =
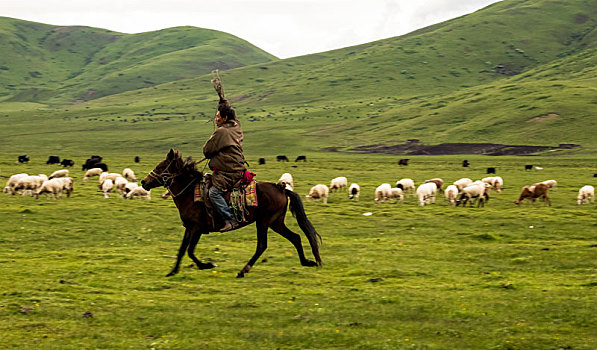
(261, 247)
(295, 239)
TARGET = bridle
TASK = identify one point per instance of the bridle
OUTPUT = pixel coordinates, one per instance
(165, 179)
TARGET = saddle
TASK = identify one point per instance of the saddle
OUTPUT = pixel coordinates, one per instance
(242, 200)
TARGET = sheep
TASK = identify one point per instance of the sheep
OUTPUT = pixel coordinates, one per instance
(451, 194)
(56, 186)
(407, 185)
(286, 181)
(496, 182)
(59, 173)
(29, 183)
(120, 184)
(462, 183)
(12, 182)
(129, 174)
(438, 182)
(138, 192)
(338, 183)
(106, 187)
(532, 192)
(397, 194)
(426, 193)
(105, 175)
(354, 191)
(92, 172)
(319, 191)
(477, 190)
(553, 184)
(382, 193)
(586, 194)
(130, 185)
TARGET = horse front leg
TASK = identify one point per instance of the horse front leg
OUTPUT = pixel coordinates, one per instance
(191, 251)
(261, 247)
(183, 247)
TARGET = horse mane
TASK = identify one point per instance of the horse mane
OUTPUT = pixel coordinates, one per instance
(189, 167)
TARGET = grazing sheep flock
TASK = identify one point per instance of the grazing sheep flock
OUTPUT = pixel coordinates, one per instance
(460, 192)
(463, 191)
(60, 182)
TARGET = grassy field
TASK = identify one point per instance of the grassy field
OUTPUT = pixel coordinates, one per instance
(88, 272)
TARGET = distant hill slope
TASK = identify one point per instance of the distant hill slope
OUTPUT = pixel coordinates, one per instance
(41, 62)
(516, 72)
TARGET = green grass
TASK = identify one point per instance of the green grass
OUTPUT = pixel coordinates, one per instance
(88, 272)
(495, 277)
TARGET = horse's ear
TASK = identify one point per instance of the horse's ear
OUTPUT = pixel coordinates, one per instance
(170, 154)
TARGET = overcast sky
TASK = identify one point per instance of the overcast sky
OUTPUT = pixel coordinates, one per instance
(284, 28)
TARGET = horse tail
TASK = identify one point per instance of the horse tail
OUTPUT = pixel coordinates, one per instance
(297, 209)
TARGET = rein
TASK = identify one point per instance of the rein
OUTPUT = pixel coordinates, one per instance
(181, 191)
(166, 178)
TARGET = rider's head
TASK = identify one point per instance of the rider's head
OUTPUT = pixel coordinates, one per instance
(226, 111)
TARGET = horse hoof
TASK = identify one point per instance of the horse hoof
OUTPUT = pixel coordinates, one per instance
(207, 266)
(172, 273)
(240, 275)
(310, 263)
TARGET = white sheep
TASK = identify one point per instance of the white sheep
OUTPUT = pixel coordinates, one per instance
(105, 176)
(319, 191)
(426, 193)
(59, 173)
(106, 187)
(585, 195)
(129, 174)
(496, 182)
(92, 172)
(55, 187)
(129, 186)
(397, 194)
(451, 194)
(553, 184)
(382, 193)
(462, 183)
(12, 182)
(287, 181)
(477, 190)
(29, 184)
(407, 185)
(338, 183)
(138, 192)
(439, 183)
(354, 191)
(120, 184)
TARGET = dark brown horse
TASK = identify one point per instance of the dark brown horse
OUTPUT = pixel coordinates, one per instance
(180, 178)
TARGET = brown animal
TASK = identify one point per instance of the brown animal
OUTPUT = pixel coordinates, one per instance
(532, 192)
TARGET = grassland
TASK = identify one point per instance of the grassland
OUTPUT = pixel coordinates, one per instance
(88, 272)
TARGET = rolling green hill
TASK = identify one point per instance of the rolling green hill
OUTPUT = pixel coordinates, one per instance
(516, 72)
(61, 64)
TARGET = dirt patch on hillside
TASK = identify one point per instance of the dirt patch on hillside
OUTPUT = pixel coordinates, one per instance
(542, 118)
(490, 149)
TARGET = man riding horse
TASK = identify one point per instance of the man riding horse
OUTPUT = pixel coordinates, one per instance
(226, 160)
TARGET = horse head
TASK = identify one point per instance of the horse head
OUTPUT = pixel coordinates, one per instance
(165, 171)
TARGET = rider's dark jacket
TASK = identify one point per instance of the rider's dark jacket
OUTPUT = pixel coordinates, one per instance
(225, 153)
